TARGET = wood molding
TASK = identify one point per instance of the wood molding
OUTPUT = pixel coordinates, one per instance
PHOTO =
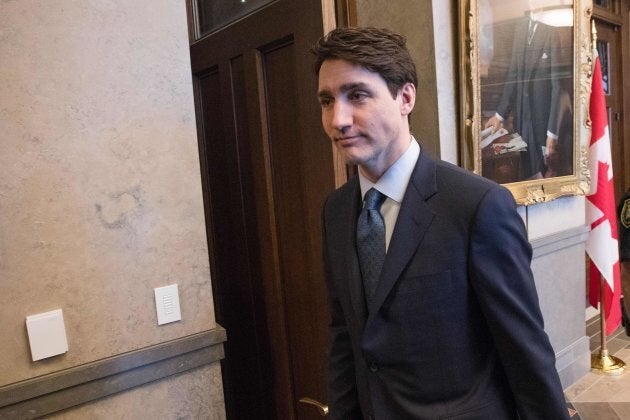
(58, 391)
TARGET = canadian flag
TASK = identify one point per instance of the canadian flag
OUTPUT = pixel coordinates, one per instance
(602, 242)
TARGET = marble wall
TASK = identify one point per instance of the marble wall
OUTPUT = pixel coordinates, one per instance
(445, 18)
(192, 396)
(557, 232)
(100, 191)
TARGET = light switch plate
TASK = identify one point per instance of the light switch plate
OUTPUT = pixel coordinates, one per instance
(167, 304)
(46, 334)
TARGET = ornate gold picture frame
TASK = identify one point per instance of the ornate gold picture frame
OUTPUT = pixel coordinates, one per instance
(525, 84)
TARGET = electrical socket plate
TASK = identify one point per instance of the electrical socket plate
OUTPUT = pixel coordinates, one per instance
(167, 304)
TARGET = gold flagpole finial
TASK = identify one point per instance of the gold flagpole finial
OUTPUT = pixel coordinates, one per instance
(593, 33)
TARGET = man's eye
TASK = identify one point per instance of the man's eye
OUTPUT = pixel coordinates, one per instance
(325, 102)
(358, 96)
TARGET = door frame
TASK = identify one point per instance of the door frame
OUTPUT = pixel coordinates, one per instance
(283, 384)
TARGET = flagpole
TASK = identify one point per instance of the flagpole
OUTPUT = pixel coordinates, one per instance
(603, 362)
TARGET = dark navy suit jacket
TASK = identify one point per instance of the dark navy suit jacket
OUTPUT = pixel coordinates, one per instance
(455, 330)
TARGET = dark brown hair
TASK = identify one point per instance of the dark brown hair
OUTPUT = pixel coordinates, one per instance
(378, 50)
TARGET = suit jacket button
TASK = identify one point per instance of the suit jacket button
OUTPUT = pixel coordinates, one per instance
(373, 367)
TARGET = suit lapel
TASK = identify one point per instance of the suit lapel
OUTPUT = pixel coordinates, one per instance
(414, 219)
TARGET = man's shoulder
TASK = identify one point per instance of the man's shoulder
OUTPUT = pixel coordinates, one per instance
(344, 193)
(465, 190)
(445, 186)
(447, 172)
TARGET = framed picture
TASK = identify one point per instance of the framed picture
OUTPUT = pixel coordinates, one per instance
(525, 84)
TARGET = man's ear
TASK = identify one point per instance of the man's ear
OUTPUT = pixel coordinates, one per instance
(408, 95)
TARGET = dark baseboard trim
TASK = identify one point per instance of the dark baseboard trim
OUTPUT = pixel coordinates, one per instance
(64, 389)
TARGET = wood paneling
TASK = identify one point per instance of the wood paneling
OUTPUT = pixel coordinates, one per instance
(613, 30)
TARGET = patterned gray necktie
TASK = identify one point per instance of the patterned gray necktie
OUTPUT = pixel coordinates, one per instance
(371, 241)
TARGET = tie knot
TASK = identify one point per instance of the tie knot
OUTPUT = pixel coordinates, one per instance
(373, 199)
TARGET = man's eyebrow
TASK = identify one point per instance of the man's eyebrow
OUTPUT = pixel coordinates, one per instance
(343, 88)
(351, 86)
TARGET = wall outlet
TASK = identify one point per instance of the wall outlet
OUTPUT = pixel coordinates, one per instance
(46, 334)
(167, 304)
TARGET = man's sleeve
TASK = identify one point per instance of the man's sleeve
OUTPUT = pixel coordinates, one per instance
(509, 84)
(504, 284)
(556, 109)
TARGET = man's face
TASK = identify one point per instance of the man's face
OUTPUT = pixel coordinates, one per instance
(367, 125)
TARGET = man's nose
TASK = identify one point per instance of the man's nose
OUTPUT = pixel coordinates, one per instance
(341, 116)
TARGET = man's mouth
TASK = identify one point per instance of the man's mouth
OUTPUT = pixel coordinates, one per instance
(347, 140)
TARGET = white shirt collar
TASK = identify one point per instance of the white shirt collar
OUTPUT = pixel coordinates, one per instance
(393, 183)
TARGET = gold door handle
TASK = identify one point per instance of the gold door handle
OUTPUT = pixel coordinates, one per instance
(322, 408)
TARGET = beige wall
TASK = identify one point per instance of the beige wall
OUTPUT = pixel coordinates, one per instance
(100, 193)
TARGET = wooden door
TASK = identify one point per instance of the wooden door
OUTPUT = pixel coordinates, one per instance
(266, 168)
(608, 44)
(611, 20)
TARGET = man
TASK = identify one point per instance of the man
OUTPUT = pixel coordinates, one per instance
(537, 93)
(451, 328)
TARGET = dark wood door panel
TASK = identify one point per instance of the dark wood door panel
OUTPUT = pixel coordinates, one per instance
(230, 219)
(300, 258)
(271, 23)
(266, 169)
(609, 46)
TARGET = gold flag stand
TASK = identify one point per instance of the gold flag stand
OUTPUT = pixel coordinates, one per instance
(603, 362)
